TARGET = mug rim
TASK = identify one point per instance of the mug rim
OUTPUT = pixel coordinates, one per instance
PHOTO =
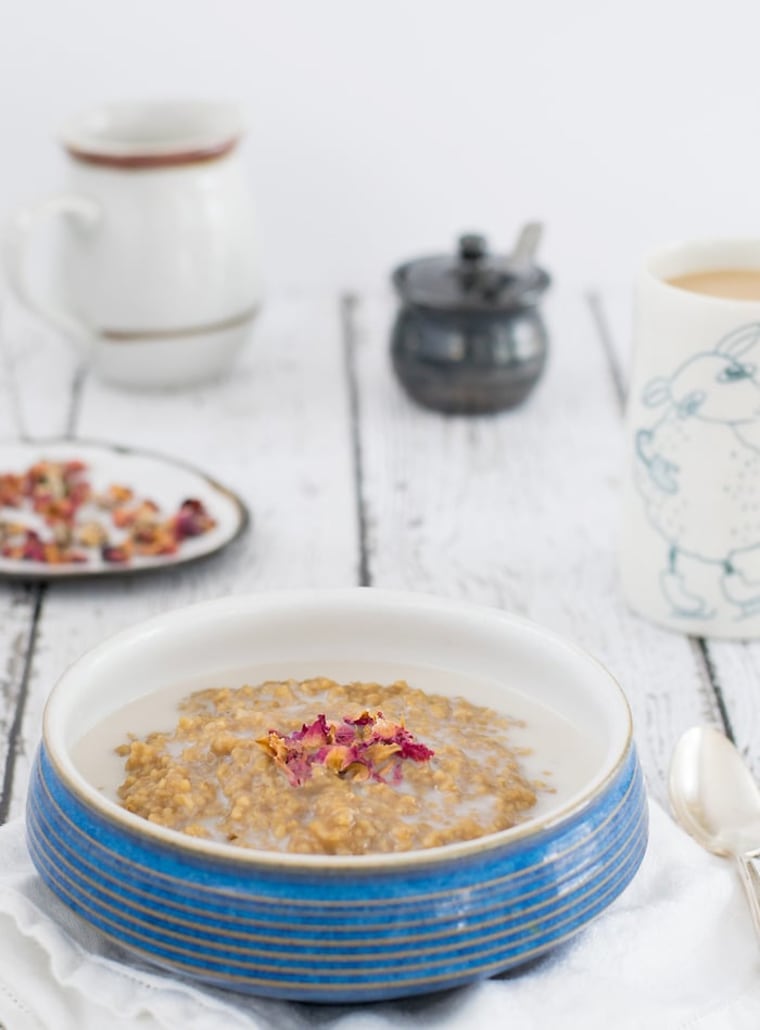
(152, 133)
(701, 245)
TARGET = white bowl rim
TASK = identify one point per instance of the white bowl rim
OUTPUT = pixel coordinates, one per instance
(175, 840)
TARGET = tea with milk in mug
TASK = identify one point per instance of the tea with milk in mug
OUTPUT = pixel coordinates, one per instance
(729, 283)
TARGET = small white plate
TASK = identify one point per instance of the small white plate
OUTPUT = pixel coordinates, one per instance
(164, 480)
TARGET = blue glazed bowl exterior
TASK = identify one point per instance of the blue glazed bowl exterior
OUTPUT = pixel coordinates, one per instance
(347, 934)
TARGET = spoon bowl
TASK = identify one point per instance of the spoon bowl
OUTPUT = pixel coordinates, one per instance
(713, 793)
(716, 800)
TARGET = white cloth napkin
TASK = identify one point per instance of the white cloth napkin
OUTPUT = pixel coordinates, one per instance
(676, 950)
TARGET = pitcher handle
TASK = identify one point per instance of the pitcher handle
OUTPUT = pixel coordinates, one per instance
(87, 214)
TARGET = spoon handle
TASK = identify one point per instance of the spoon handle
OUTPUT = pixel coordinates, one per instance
(750, 879)
(527, 245)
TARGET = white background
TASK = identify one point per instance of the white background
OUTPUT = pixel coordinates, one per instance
(379, 129)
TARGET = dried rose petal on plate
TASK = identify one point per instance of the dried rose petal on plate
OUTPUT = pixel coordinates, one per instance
(192, 519)
(11, 490)
(114, 496)
(60, 494)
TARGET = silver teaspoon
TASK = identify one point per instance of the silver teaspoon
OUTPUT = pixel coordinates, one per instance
(716, 799)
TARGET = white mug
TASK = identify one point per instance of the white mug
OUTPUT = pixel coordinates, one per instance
(158, 257)
(690, 555)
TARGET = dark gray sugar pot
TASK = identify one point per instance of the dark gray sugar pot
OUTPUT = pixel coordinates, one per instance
(469, 337)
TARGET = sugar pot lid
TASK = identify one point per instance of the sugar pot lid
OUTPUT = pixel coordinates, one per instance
(474, 279)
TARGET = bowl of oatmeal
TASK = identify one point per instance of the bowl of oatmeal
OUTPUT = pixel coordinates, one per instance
(337, 796)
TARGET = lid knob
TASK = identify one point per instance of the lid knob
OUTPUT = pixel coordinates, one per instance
(472, 247)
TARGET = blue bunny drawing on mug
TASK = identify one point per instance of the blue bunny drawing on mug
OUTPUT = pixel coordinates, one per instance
(704, 452)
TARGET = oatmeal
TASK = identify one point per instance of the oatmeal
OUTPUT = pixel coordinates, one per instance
(320, 767)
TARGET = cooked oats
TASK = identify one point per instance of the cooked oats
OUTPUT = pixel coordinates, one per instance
(319, 767)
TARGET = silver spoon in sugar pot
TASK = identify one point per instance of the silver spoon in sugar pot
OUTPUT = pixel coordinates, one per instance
(716, 800)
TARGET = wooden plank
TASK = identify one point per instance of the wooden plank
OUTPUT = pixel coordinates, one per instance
(277, 431)
(736, 673)
(733, 668)
(520, 511)
(36, 376)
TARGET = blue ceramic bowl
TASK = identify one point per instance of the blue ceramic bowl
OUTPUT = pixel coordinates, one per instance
(344, 928)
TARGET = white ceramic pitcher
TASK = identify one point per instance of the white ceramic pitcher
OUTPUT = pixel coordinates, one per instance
(158, 248)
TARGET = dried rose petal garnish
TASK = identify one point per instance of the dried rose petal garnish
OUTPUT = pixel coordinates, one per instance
(60, 494)
(368, 747)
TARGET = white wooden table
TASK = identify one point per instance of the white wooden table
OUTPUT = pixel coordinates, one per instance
(350, 483)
